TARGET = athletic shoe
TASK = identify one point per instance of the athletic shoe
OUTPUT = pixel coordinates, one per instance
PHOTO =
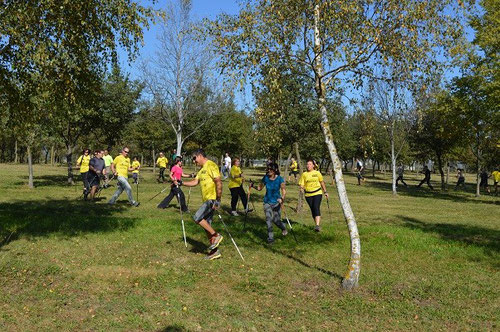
(234, 213)
(317, 228)
(214, 254)
(249, 210)
(284, 232)
(136, 204)
(270, 241)
(215, 241)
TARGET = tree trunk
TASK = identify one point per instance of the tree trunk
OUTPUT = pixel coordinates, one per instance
(447, 173)
(179, 142)
(279, 162)
(142, 158)
(373, 169)
(46, 155)
(441, 172)
(52, 157)
(352, 275)
(69, 156)
(30, 167)
(478, 176)
(393, 162)
(154, 159)
(300, 200)
(287, 163)
(16, 157)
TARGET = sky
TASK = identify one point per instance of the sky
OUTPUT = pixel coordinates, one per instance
(200, 9)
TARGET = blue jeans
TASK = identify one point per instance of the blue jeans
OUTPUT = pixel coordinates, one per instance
(121, 186)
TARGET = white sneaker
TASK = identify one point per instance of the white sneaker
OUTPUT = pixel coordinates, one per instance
(234, 213)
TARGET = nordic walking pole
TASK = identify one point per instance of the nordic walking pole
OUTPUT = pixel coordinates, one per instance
(329, 212)
(289, 224)
(246, 208)
(158, 194)
(227, 230)
(182, 218)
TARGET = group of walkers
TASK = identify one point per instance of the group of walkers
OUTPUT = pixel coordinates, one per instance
(102, 167)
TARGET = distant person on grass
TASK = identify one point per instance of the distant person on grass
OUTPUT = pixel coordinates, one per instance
(484, 181)
(136, 165)
(97, 169)
(294, 169)
(401, 171)
(162, 162)
(176, 173)
(312, 185)
(120, 167)
(273, 199)
(460, 179)
(108, 160)
(83, 163)
(211, 192)
(427, 178)
(227, 166)
(236, 187)
(496, 179)
(359, 171)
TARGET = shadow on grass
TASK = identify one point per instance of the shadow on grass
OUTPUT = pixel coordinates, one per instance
(49, 180)
(451, 195)
(173, 328)
(68, 217)
(488, 239)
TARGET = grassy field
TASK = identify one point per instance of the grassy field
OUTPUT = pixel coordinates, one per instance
(430, 261)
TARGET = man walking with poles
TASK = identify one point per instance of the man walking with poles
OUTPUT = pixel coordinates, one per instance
(120, 167)
(211, 191)
(96, 170)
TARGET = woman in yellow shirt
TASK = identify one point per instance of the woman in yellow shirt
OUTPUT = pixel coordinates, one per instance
(136, 165)
(312, 185)
(236, 187)
(83, 162)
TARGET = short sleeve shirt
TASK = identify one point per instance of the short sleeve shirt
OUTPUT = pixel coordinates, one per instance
(177, 172)
(206, 176)
(235, 180)
(136, 164)
(84, 163)
(496, 176)
(311, 181)
(122, 165)
(162, 162)
(273, 191)
(108, 160)
(97, 163)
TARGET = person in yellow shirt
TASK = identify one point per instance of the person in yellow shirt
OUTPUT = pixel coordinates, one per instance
(312, 185)
(136, 165)
(162, 162)
(236, 187)
(83, 162)
(120, 167)
(496, 179)
(210, 182)
(294, 169)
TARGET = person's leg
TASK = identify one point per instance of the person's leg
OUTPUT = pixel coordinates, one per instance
(268, 210)
(93, 190)
(403, 182)
(397, 180)
(243, 197)
(316, 210)
(166, 200)
(234, 198)
(429, 183)
(182, 199)
(128, 189)
(277, 217)
(421, 182)
(309, 201)
(119, 190)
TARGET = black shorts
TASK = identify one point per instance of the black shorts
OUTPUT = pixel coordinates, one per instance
(93, 179)
(483, 183)
(314, 203)
(294, 173)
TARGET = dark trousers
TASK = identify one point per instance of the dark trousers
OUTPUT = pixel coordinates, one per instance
(426, 180)
(400, 178)
(314, 203)
(235, 192)
(162, 174)
(174, 192)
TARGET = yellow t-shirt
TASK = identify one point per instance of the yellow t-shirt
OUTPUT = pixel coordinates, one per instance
(206, 176)
(122, 165)
(135, 164)
(496, 176)
(162, 162)
(235, 180)
(84, 163)
(311, 183)
(294, 166)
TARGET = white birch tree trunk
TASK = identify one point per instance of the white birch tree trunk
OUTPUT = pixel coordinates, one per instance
(352, 275)
(30, 167)
(393, 161)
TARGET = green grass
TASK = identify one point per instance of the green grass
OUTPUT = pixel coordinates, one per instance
(430, 261)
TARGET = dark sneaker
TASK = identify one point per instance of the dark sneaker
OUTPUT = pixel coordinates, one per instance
(270, 241)
(249, 210)
(214, 254)
(317, 228)
(284, 232)
(215, 241)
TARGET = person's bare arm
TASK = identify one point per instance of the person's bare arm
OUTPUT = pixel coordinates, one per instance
(191, 183)
(323, 186)
(283, 193)
(113, 168)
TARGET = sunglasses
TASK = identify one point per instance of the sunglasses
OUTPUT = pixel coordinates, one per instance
(125, 151)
